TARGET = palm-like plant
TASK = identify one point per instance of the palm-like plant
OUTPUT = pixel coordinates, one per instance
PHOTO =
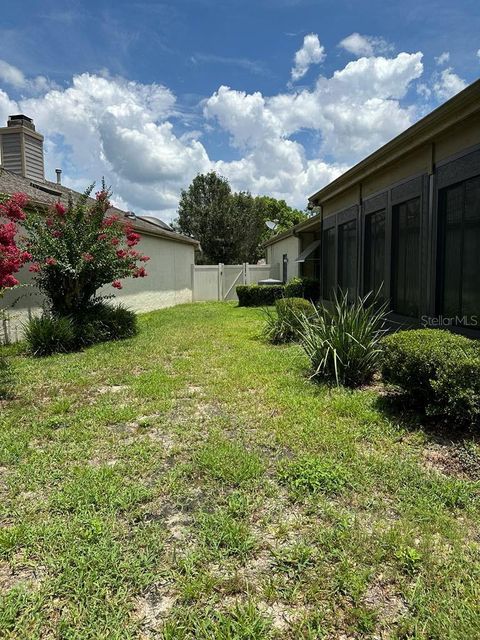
(343, 343)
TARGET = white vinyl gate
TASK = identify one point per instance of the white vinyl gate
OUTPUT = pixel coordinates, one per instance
(219, 281)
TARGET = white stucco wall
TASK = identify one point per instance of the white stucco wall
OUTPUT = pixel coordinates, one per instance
(275, 252)
(169, 282)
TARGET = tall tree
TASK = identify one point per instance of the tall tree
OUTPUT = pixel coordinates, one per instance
(204, 212)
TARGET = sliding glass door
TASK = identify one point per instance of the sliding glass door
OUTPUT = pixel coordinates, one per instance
(406, 258)
(374, 262)
(347, 259)
(459, 251)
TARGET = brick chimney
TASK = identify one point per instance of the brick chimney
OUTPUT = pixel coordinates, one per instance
(22, 148)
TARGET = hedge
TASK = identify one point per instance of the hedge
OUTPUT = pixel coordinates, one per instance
(439, 370)
(255, 295)
(303, 288)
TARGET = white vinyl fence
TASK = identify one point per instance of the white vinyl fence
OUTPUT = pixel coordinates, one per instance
(219, 281)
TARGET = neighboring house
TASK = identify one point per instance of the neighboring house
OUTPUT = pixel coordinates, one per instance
(171, 254)
(405, 220)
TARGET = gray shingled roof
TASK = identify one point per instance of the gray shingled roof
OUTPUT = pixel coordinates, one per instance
(46, 193)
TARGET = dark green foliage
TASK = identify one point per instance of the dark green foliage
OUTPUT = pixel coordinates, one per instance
(100, 322)
(47, 334)
(283, 324)
(343, 343)
(7, 379)
(255, 295)
(230, 226)
(439, 370)
(303, 288)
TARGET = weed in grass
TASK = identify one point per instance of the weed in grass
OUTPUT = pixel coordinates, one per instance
(409, 559)
(293, 560)
(224, 535)
(312, 474)
(229, 462)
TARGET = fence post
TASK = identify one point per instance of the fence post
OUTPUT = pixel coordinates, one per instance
(220, 281)
(193, 282)
(245, 273)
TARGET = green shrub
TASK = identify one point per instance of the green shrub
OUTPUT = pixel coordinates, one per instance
(47, 334)
(439, 370)
(343, 343)
(101, 322)
(255, 295)
(303, 288)
(98, 323)
(7, 379)
(283, 324)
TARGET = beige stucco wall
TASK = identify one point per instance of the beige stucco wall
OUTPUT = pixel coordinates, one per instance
(275, 252)
(169, 282)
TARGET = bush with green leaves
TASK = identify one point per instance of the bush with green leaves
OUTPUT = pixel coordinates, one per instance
(439, 370)
(344, 342)
(49, 334)
(99, 322)
(298, 287)
(256, 295)
(283, 324)
(7, 379)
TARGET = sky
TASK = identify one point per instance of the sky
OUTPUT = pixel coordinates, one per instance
(278, 96)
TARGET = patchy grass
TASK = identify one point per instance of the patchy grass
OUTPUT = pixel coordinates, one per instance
(192, 483)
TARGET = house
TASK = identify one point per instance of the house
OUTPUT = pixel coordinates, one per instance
(172, 255)
(404, 221)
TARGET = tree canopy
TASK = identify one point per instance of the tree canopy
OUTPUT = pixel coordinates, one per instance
(231, 226)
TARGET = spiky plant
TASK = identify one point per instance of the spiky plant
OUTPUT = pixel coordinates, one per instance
(343, 343)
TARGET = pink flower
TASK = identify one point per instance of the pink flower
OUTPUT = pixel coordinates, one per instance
(116, 284)
(139, 273)
(13, 207)
(87, 257)
(60, 208)
(102, 236)
(51, 262)
(9, 281)
(56, 233)
(144, 258)
(34, 268)
(132, 239)
(115, 241)
(110, 220)
(121, 253)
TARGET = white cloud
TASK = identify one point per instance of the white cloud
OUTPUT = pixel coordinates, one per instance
(312, 52)
(443, 58)
(365, 45)
(354, 111)
(103, 125)
(16, 78)
(447, 84)
(478, 54)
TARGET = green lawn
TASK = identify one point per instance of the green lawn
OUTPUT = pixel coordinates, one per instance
(193, 483)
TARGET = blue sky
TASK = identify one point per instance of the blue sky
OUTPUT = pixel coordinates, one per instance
(132, 89)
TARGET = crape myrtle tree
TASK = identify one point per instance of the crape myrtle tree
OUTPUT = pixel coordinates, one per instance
(230, 225)
(78, 248)
(12, 255)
